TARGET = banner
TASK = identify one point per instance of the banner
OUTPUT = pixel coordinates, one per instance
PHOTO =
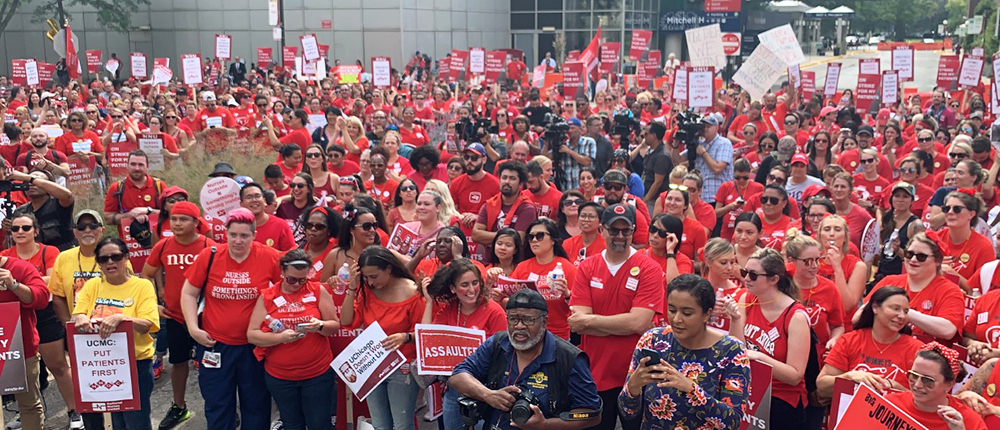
(705, 46)
(45, 73)
(382, 72)
(869, 410)
(902, 60)
(93, 61)
(191, 69)
(442, 347)
(832, 79)
(139, 65)
(867, 91)
(890, 87)
(264, 56)
(444, 67)
(457, 64)
(477, 60)
(610, 52)
(971, 72)
(640, 44)
(680, 94)
(18, 74)
(272, 12)
(223, 46)
(869, 66)
(219, 196)
(494, 65)
(403, 240)
(13, 378)
(758, 412)
(573, 77)
(506, 286)
(808, 84)
(783, 44)
(161, 71)
(288, 54)
(310, 47)
(364, 363)
(117, 154)
(947, 73)
(152, 145)
(538, 76)
(104, 374)
(701, 87)
(349, 74)
(759, 72)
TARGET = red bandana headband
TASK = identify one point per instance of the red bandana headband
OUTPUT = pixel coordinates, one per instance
(949, 354)
(937, 239)
(969, 191)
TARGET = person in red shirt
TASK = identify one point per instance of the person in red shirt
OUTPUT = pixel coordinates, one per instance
(515, 70)
(82, 142)
(589, 242)
(270, 230)
(411, 133)
(981, 334)
(732, 195)
(274, 176)
(134, 200)
(298, 134)
(792, 127)
(615, 297)
(213, 116)
(819, 296)
(289, 326)
(543, 252)
(40, 156)
(676, 203)
(869, 185)
(544, 196)
(24, 286)
(752, 116)
(937, 305)
(170, 258)
(230, 278)
(967, 249)
(932, 377)
(338, 164)
(470, 190)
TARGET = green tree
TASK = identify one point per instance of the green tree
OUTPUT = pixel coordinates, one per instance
(114, 15)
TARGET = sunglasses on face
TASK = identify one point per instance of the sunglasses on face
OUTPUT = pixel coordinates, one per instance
(171, 117)
(678, 187)
(957, 155)
(808, 261)
(821, 141)
(752, 276)
(773, 178)
(24, 228)
(367, 226)
(536, 236)
(315, 226)
(75, 120)
(614, 187)
(406, 188)
(925, 380)
(965, 130)
(662, 232)
(572, 202)
(292, 280)
(117, 116)
(925, 139)
(908, 170)
(262, 106)
(791, 122)
(612, 231)
(764, 200)
(297, 185)
(867, 160)
(88, 225)
(742, 178)
(921, 257)
(953, 209)
(469, 157)
(105, 259)
(314, 155)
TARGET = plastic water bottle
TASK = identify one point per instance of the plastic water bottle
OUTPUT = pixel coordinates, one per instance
(717, 317)
(343, 280)
(274, 324)
(556, 273)
(976, 293)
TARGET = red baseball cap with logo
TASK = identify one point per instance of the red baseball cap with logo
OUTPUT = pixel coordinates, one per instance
(800, 158)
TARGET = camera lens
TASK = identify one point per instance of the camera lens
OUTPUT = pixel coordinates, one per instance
(520, 413)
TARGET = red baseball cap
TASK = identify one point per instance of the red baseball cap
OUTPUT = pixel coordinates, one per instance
(800, 158)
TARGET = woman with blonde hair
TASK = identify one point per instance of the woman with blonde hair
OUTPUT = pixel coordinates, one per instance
(352, 137)
(397, 167)
(677, 174)
(449, 215)
(720, 268)
(846, 270)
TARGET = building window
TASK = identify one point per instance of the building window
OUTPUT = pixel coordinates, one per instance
(550, 20)
(577, 40)
(577, 4)
(550, 4)
(609, 19)
(522, 5)
(607, 4)
(522, 21)
(578, 20)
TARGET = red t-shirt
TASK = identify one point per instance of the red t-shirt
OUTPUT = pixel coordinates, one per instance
(205, 117)
(871, 190)
(694, 238)
(175, 258)
(69, 143)
(825, 310)
(347, 169)
(531, 270)
(941, 298)
(489, 317)
(385, 193)
(857, 350)
(924, 194)
(307, 357)
(401, 167)
(43, 260)
(753, 205)
(851, 161)
(736, 127)
(232, 289)
(300, 137)
(276, 234)
(773, 235)
(470, 195)
(728, 193)
(548, 203)
(574, 246)
(984, 322)
(857, 219)
(637, 283)
(30, 278)
(415, 136)
(399, 317)
(904, 401)
(970, 255)
(771, 338)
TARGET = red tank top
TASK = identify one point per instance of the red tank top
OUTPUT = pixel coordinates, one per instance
(305, 358)
(771, 338)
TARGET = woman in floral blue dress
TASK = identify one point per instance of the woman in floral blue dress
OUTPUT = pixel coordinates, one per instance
(701, 380)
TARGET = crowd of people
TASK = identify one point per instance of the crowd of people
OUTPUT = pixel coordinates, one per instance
(805, 234)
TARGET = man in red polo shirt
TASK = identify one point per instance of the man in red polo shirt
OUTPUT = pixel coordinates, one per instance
(213, 116)
(134, 199)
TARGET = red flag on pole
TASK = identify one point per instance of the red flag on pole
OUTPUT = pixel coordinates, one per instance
(589, 57)
(72, 58)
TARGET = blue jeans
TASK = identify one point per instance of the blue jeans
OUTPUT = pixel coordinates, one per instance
(138, 420)
(307, 403)
(241, 373)
(392, 402)
(451, 419)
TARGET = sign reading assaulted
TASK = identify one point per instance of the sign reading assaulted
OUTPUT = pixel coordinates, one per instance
(442, 347)
(365, 363)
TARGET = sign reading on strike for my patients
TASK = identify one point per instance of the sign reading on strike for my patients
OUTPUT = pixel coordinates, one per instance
(364, 364)
(442, 347)
(104, 373)
(12, 372)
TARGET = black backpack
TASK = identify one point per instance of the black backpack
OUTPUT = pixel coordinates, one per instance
(559, 372)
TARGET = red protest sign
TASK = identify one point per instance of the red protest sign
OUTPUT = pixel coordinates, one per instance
(758, 412)
(118, 157)
(868, 410)
(13, 378)
(506, 287)
(572, 79)
(538, 76)
(947, 72)
(442, 347)
(104, 373)
(457, 63)
(81, 174)
(867, 90)
(808, 84)
(93, 61)
(288, 56)
(494, 65)
(18, 75)
(45, 73)
(444, 68)
(264, 56)
(610, 52)
(323, 50)
(403, 240)
(722, 5)
(640, 44)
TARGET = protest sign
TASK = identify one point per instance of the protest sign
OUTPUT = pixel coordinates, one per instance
(288, 54)
(93, 61)
(705, 46)
(759, 71)
(538, 76)
(680, 94)
(701, 87)
(442, 347)
(867, 91)
(868, 409)
(947, 72)
(869, 66)
(832, 79)
(272, 12)
(45, 73)
(494, 65)
(264, 56)
(276, 34)
(901, 60)
(435, 400)
(640, 44)
(152, 145)
(477, 60)
(758, 412)
(349, 74)
(610, 52)
(457, 63)
(971, 72)
(112, 65)
(161, 71)
(191, 69)
(890, 87)
(219, 196)
(310, 47)
(381, 71)
(364, 363)
(104, 373)
(808, 84)
(18, 73)
(403, 240)
(137, 254)
(795, 75)
(139, 65)
(117, 153)
(573, 77)
(13, 378)
(223, 46)
(781, 41)
(82, 174)
(843, 392)
(506, 286)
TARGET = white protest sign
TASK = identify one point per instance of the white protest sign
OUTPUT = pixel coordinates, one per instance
(680, 85)
(112, 66)
(832, 79)
(795, 75)
(477, 60)
(364, 363)
(219, 196)
(381, 72)
(701, 82)
(783, 44)
(996, 67)
(104, 372)
(276, 34)
(902, 61)
(869, 66)
(152, 145)
(971, 72)
(890, 87)
(759, 71)
(139, 65)
(31, 71)
(310, 47)
(223, 46)
(705, 46)
(191, 69)
(316, 121)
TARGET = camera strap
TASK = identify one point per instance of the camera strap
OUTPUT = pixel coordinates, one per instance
(580, 415)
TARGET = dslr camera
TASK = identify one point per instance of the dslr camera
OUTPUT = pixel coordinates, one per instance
(470, 129)
(472, 410)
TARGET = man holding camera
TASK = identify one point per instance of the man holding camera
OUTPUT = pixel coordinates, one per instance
(713, 157)
(578, 152)
(51, 204)
(526, 377)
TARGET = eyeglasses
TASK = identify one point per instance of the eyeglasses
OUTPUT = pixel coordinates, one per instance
(965, 130)
(614, 187)
(297, 185)
(792, 122)
(767, 146)
(925, 380)
(406, 188)
(808, 261)
(170, 117)
(92, 112)
(314, 155)
(921, 257)
(678, 187)
(88, 225)
(752, 276)
(315, 226)
(105, 259)
(867, 160)
(742, 178)
(612, 231)
(472, 158)
(775, 178)
(292, 280)
(262, 106)
(572, 202)
(662, 232)
(253, 196)
(587, 216)
(958, 155)
(528, 321)
(924, 139)
(814, 216)
(24, 228)
(75, 120)
(821, 140)
(117, 116)
(908, 170)
(765, 200)
(538, 236)
(954, 209)
(367, 226)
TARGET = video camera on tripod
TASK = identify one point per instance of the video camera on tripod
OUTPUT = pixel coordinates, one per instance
(689, 130)
(470, 129)
(555, 136)
(625, 124)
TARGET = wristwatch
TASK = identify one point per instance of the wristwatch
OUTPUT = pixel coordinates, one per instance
(669, 256)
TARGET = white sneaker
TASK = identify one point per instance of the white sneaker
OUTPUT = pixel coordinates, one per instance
(75, 420)
(277, 425)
